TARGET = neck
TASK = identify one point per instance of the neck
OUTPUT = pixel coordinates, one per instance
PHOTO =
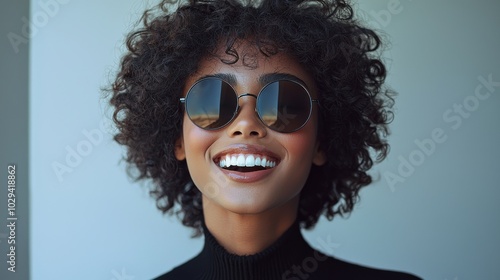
(248, 234)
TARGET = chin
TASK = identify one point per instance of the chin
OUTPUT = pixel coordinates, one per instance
(251, 203)
(245, 206)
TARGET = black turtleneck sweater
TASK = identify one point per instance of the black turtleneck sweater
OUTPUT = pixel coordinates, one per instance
(289, 258)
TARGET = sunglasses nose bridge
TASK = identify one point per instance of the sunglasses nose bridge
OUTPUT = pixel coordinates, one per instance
(245, 95)
(246, 121)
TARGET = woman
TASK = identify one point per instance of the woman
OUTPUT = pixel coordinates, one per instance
(255, 118)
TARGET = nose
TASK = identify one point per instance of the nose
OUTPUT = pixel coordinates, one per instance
(247, 123)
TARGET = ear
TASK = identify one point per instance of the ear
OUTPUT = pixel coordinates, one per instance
(319, 157)
(180, 153)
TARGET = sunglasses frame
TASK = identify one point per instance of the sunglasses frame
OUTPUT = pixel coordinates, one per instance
(184, 100)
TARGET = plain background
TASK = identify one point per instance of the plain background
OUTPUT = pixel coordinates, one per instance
(439, 220)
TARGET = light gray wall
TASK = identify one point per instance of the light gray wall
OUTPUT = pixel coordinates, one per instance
(14, 141)
(433, 212)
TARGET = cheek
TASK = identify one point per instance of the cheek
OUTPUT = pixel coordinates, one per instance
(300, 148)
(195, 138)
(197, 143)
(301, 144)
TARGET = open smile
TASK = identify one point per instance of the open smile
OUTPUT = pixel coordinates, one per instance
(246, 163)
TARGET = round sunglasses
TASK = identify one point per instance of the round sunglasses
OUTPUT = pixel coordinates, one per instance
(284, 105)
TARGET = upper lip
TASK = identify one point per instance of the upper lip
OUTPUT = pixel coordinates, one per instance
(247, 149)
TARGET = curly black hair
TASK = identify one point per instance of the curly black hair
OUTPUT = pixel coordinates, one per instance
(322, 35)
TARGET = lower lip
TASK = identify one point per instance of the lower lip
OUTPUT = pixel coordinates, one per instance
(247, 177)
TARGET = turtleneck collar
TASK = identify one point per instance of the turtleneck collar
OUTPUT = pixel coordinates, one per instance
(289, 250)
(290, 257)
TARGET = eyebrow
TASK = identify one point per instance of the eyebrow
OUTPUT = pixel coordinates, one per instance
(263, 79)
(226, 77)
(271, 77)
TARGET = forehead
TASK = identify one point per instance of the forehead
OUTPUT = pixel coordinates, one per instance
(250, 66)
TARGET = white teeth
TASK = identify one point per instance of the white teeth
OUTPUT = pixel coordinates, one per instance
(242, 160)
(250, 161)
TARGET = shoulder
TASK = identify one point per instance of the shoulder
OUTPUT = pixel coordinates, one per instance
(333, 268)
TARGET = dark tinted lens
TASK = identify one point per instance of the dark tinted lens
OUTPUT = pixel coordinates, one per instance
(284, 106)
(211, 103)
